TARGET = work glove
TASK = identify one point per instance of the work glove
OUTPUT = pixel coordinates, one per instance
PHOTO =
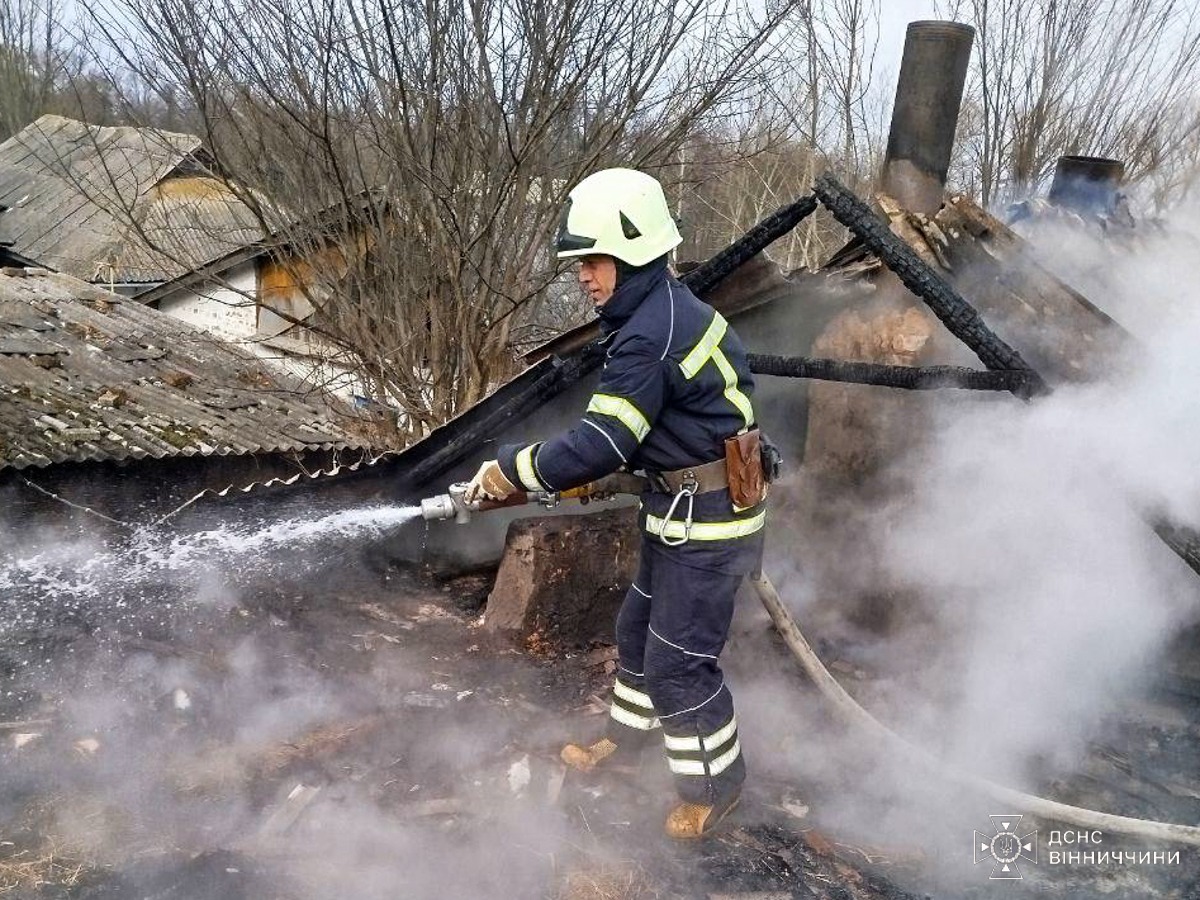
(489, 483)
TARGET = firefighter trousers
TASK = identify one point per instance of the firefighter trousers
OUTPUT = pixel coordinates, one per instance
(671, 629)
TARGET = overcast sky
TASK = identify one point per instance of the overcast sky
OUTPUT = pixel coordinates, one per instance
(893, 19)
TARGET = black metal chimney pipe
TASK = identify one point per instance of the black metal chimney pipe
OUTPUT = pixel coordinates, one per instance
(933, 74)
(1087, 184)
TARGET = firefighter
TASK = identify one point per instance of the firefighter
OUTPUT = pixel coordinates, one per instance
(673, 403)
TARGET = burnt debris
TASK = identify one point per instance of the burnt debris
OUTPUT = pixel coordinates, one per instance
(959, 317)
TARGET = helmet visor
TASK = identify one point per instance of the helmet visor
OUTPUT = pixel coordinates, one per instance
(567, 242)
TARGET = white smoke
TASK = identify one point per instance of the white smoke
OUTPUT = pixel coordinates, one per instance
(181, 693)
(1028, 527)
(1034, 601)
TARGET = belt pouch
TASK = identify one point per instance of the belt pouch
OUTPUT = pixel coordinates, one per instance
(743, 464)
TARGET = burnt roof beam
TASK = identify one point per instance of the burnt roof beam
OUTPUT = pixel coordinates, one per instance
(967, 325)
(717, 268)
(959, 317)
(911, 378)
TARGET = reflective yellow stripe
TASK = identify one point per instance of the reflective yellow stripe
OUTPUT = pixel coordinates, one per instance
(621, 410)
(732, 393)
(525, 469)
(709, 348)
(633, 720)
(699, 355)
(705, 531)
(625, 692)
(681, 743)
(712, 742)
(720, 736)
(696, 767)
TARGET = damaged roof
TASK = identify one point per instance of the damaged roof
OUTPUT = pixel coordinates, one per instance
(116, 204)
(88, 375)
(180, 224)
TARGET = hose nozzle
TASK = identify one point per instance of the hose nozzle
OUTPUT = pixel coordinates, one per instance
(454, 504)
(451, 505)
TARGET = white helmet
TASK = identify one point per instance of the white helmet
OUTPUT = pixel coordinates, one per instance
(617, 212)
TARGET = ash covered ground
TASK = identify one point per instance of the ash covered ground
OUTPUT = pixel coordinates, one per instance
(304, 722)
(236, 714)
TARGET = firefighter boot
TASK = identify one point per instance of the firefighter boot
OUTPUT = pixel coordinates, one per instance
(693, 820)
(584, 759)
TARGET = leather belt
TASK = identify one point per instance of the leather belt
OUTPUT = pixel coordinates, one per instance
(711, 476)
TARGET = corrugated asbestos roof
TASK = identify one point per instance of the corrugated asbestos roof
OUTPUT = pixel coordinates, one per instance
(74, 192)
(88, 375)
(182, 223)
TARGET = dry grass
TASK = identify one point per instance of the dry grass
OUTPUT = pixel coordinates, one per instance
(59, 836)
(26, 869)
(608, 882)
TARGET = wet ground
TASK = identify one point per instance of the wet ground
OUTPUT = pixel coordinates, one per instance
(341, 732)
(351, 730)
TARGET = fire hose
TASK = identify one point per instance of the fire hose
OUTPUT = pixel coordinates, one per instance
(453, 505)
(852, 713)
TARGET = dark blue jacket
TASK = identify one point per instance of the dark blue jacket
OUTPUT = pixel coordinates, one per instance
(675, 385)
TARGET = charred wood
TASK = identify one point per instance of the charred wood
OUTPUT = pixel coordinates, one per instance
(959, 317)
(1077, 339)
(911, 378)
(981, 240)
(1083, 339)
(709, 274)
(558, 375)
(1058, 330)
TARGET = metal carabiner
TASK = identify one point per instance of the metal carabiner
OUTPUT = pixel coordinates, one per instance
(687, 490)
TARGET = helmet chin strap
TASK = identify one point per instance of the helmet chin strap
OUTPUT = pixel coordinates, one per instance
(625, 271)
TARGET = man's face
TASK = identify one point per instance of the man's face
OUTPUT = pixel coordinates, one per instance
(598, 275)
